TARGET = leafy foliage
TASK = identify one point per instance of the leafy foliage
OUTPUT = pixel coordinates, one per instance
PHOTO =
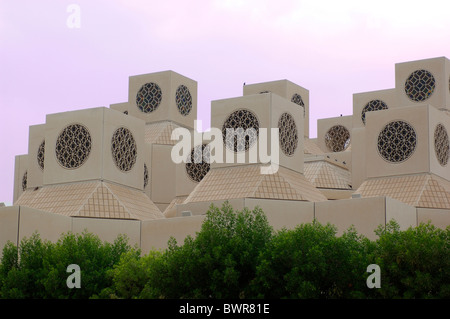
(236, 254)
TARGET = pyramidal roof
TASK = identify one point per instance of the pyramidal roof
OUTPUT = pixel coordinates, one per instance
(423, 190)
(95, 199)
(160, 133)
(248, 182)
(324, 174)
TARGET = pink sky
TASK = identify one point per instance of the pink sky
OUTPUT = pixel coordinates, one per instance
(332, 48)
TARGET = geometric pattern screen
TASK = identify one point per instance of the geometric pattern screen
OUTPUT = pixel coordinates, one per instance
(374, 105)
(441, 144)
(198, 164)
(288, 134)
(397, 141)
(337, 139)
(123, 148)
(149, 97)
(420, 85)
(241, 121)
(73, 146)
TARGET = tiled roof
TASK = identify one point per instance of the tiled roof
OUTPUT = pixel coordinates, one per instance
(91, 199)
(170, 210)
(160, 133)
(324, 174)
(248, 182)
(310, 147)
(424, 190)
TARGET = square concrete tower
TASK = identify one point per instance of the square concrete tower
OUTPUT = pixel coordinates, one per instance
(286, 89)
(36, 158)
(260, 111)
(372, 101)
(407, 140)
(334, 134)
(94, 144)
(163, 96)
(424, 81)
(20, 176)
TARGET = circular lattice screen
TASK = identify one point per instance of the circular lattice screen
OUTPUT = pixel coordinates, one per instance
(123, 148)
(441, 144)
(288, 134)
(149, 97)
(397, 141)
(337, 139)
(146, 175)
(41, 155)
(184, 100)
(199, 164)
(420, 85)
(297, 99)
(246, 129)
(374, 105)
(73, 146)
(25, 181)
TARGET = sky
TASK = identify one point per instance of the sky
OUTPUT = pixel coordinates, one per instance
(58, 55)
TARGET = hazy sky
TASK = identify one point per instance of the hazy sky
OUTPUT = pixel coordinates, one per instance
(332, 48)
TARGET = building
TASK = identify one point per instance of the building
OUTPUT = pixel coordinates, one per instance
(111, 170)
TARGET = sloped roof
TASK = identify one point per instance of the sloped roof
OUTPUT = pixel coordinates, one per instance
(424, 190)
(160, 133)
(170, 210)
(324, 174)
(310, 147)
(92, 199)
(248, 182)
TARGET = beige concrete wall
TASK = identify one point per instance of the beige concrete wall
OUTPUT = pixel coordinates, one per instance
(168, 81)
(360, 100)
(283, 213)
(416, 116)
(35, 138)
(286, 89)
(438, 67)
(50, 226)
(364, 213)
(324, 125)
(163, 176)
(20, 168)
(267, 108)
(438, 217)
(405, 215)
(109, 229)
(155, 234)
(358, 167)
(9, 225)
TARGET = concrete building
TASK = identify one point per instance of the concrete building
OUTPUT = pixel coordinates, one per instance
(111, 170)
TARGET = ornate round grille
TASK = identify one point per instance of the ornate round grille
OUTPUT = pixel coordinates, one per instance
(288, 134)
(337, 139)
(441, 144)
(25, 181)
(374, 105)
(41, 155)
(145, 175)
(420, 85)
(297, 99)
(184, 100)
(149, 97)
(246, 130)
(199, 163)
(73, 146)
(397, 141)
(123, 148)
